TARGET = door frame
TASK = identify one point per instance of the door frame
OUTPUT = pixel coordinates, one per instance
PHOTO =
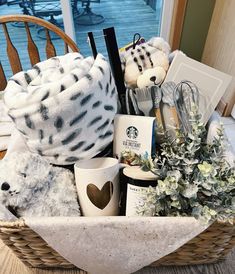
(177, 22)
(67, 14)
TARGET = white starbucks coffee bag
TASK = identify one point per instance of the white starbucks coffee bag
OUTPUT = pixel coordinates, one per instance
(134, 133)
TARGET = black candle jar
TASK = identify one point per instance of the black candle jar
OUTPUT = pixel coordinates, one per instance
(136, 183)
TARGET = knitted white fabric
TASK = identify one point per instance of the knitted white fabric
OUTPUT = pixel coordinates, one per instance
(6, 127)
(64, 107)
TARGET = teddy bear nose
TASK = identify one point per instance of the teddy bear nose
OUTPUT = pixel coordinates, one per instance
(153, 78)
(5, 186)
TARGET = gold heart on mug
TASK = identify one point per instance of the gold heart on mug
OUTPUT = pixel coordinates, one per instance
(100, 198)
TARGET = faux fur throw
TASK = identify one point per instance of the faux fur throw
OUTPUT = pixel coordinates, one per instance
(64, 107)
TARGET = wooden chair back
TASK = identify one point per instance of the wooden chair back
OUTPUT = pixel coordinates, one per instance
(33, 52)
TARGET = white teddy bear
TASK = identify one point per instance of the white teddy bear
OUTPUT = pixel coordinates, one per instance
(146, 64)
(32, 187)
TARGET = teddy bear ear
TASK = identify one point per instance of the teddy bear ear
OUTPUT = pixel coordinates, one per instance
(160, 43)
(31, 163)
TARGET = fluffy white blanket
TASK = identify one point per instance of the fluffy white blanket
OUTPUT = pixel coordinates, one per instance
(64, 107)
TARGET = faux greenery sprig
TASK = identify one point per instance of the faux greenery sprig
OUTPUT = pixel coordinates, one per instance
(194, 177)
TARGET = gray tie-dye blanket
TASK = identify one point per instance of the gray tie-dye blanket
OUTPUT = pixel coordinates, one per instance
(64, 107)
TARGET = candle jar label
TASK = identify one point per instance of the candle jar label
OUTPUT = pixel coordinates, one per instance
(135, 200)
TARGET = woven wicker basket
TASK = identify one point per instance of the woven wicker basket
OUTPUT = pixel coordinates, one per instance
(210, 246)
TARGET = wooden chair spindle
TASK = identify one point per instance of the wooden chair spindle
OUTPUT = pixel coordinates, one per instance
(3, 80)
(12, 53)
(50, 49)
(66, 48)
(32, 48)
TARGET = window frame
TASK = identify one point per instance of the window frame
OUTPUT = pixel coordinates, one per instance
(166, 19)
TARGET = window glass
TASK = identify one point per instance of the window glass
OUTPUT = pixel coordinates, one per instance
(126, 16)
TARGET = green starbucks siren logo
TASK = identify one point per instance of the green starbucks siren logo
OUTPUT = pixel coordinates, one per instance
(132, 132)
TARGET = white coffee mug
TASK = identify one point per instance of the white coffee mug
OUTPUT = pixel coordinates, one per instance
(97, 182)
